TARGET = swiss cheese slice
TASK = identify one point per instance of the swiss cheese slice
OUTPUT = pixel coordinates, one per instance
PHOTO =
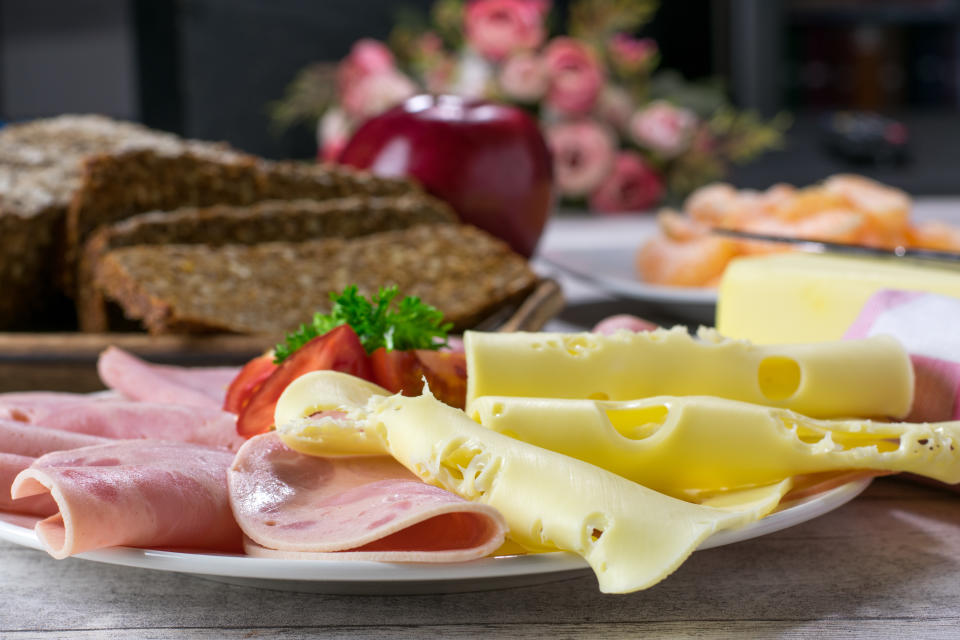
(630, 535)
(692, 446)
(870, 377)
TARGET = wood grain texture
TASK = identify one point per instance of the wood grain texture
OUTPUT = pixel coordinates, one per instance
(885, 565)
(67, 361)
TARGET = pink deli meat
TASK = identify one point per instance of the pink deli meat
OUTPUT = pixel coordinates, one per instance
(370, 508)
(141, 380)
(11, 465)
(28, 406)
(133, 493)
(20, 444)
(128, 419)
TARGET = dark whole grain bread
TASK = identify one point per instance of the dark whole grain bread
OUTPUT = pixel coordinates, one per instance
(61, 178)
(267, 221)
(115, 186)
(271, 288)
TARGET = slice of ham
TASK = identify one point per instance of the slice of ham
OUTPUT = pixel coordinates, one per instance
(28, 406)
(30, 440)
(11, 465)
(293, 505)
(138, 379)
(621, 322)
(129, 419)
(133, 493)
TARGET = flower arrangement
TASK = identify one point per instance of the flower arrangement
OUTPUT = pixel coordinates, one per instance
(624, 136)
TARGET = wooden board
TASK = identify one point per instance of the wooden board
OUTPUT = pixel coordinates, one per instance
(67, 361)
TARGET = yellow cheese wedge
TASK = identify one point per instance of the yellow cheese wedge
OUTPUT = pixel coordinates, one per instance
(800, 297)
(870, 377)
(630, 535)
(690, 446)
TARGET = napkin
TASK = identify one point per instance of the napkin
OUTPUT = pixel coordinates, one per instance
(926, 325)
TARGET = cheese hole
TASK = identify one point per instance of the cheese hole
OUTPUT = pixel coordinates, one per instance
(578, 345)
(638, 423)
(473, 468)
(779, 377)
(842, 440)
(497, 410)
(593, 528)
(599, 395)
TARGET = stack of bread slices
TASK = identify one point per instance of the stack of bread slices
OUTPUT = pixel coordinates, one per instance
(138, 226)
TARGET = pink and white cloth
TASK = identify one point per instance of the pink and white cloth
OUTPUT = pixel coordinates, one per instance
(926, 325)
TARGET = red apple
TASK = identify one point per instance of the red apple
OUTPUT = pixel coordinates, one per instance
(489, 161)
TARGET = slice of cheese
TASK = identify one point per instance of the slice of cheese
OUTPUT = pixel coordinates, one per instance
(870, 377)
(801, 297)
(327, 393)
(630, 535)
(692, 446)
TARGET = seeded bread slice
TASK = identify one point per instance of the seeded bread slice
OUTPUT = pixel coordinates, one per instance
(267, 221)
(271, 288)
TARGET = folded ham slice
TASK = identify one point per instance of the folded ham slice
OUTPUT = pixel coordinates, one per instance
(31, 440)
(133, 493)
(11, 465)
(129, 419)
(28, 406)
(138, 379)
(298, 506)
(20, 444)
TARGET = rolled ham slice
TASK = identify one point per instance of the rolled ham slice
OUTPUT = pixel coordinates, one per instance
(138, 379)
(20, 444)
(129, 419)
(11, 465)
(29, 406)
(31, 440)
(133, 493)
(293, 505)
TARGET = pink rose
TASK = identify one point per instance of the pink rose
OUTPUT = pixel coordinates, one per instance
(333, 131)
(373, 94)
(632, 185)
(576, 76)
(582, 155)
(664, 128)
(632, 54)
(496, 28)
(524, 78)
(367, 57)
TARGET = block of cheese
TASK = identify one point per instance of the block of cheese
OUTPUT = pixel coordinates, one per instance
(802, 297)
(693, 446)
(870, 377)
(630, 535)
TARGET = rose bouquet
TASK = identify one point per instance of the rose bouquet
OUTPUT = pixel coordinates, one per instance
(624, 136)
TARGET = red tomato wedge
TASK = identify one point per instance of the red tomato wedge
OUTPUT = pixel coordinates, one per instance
(251, 376)
(339, 349)
(404, 371)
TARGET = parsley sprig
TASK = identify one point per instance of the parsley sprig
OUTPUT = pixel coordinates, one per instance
(410, 324)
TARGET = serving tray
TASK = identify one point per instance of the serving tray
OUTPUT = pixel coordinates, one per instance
(66, 361)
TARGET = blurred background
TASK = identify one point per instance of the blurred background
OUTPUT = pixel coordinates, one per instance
(210, 68)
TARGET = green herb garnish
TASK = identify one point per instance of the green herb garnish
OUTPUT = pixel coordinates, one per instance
(410, 324)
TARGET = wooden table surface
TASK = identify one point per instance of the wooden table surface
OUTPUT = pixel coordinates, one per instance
(885, 565)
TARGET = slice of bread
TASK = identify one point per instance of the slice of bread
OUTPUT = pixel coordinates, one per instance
(61, 178)
(272, 288)
(267, 221)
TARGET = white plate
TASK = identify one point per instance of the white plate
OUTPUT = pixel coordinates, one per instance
(386, 578)
(610, 267)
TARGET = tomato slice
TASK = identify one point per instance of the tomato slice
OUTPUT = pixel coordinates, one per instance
(339, 349)
(249, 379)
(404, 371)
